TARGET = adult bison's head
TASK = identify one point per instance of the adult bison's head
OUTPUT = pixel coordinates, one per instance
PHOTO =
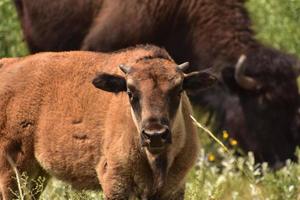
(155, 88)
(265, 82)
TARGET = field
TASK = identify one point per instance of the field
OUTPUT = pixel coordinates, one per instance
(218, 175)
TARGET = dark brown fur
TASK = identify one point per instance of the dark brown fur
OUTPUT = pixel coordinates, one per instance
(53, 119)
(203, 32)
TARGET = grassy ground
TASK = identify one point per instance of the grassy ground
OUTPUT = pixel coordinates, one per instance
(11, 42)
(218, 175)
(277, 23)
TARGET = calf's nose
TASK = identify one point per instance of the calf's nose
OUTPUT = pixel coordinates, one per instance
(156, 137)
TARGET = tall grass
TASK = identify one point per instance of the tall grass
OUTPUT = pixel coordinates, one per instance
(226, 177)
(240, 178)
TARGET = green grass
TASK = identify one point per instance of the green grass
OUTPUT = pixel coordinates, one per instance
(218, 175)
(221, 175)
(11, 42)
(226, 178)
(240, 178)
(277, 22)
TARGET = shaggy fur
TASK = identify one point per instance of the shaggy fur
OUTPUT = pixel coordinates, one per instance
(53, 120)
(204, 32)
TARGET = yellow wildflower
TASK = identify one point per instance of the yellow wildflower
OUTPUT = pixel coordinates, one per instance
(233, 142)
(211, 157)
(225, 135)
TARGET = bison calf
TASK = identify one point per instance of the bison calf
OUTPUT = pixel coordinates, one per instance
(133, 134)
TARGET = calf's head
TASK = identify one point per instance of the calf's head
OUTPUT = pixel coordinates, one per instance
(154, 88)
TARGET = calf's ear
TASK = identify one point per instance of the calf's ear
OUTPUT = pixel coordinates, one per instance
(196, 81)
(109, 82)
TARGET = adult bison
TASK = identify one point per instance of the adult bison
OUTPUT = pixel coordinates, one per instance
(204, 32)
(139, 144)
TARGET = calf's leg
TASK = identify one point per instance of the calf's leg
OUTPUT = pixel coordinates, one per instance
(115, 182)
(178, 195)
(21, 158)
(7, 181)
(7, 184)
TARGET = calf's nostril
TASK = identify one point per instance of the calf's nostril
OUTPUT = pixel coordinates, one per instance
(146, 135)
(156, 137)
(165, 135)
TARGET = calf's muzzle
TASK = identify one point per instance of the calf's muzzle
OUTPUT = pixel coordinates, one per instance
(155, 137)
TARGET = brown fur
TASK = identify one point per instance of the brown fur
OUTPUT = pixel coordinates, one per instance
(68, 14)
(194, 30)
(53, 119)
(205, 33)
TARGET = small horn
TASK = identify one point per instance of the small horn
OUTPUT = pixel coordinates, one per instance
(124, 68)
(245, 82)
(182, 67)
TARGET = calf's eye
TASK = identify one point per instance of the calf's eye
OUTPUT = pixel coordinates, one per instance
(129, 94)
(132, 97)
(180, 91)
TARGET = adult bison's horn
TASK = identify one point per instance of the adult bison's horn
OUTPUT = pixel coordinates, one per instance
(182, 67)
(244, 81)
(124, 68)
